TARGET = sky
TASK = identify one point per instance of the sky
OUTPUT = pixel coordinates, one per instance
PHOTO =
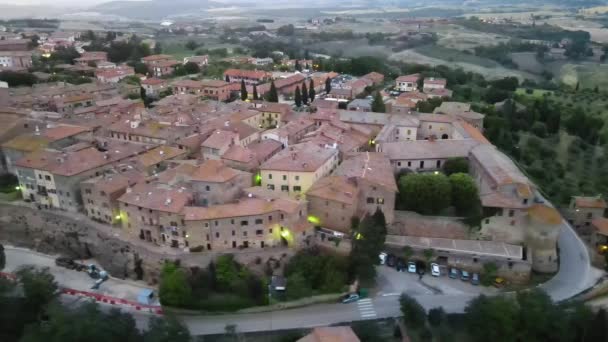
(56, 2)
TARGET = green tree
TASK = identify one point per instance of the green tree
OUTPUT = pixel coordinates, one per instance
(304, 93)
(298, 286)
(368, 242)
(327, 85)
(174, 289)
(311, 91)
(429, 254)
(227, 79)
(272, 95)
(286, 30)
(38, 285)
(158, 48)
(407, 252)
(465, 196)
(191, 45)
(297, 65)
(492, 319)
(424, 193)
(455, 165)
(255, 93)
(2, 257)
(191, 68)
(378, 105)
(297, 97)
(489, 273)
(166, 329)
(436, 316)
(414, 315)
(244, 94)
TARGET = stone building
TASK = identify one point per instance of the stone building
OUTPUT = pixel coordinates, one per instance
(583, 210)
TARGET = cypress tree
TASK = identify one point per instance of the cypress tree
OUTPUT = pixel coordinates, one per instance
(378, 104)
(304, 93)
(327, 85)
(311, 91)
(272, 95)
(298, 67)
(227, 78)
(243, 91)
(298, 97)
(255, 93)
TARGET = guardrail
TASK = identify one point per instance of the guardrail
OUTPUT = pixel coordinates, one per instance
(156, 309)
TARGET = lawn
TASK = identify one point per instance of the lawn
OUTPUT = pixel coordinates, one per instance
(453, 55)
(588, 75)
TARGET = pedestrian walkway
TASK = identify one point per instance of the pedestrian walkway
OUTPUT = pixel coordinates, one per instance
(366, 308)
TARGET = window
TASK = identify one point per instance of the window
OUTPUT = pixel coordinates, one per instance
(285, 188)
(511, 213)
(217, 234)
(270, 231)
(103, 193)
(215, 223)
(398, 163)
(259, 232)
(487, 220)
(370, 200)
(245, 233)
(589, 215)
(409, 163)
(48, 178)
(244, 223)
(173, 224)
(297, 188)
(207, 188)
(282, 216)
(422, 164)
(39, 176)
(206, 224)
(87, 191)
(270, 176)
(270, 186)
(297, 178)
(525, 201)
(259, 221)
(284, 177)
(430, 126)
(232, 221)
(270, 218)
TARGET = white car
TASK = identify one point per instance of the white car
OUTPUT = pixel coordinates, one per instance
(382, 257)
(435, 272)
(411, 267)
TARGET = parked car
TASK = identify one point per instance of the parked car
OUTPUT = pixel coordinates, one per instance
(401, 265)
(382, 256)
(435, 271)
(475, 279)
(65, 262)
(349, 298)
(454, 273)
(391, 260)
(464, 276)
(411, 267)
(499, 282)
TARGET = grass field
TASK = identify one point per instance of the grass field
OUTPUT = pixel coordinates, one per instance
(588, 75)
(453, 55)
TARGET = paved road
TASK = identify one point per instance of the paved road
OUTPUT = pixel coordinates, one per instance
(574, 276)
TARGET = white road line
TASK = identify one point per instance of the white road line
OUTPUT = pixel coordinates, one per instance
(369, 312)
(391, 294)
(370, 315)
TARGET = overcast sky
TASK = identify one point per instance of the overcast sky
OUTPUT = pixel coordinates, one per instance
(56, 2)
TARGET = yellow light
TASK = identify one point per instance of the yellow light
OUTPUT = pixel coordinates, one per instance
(436, 172)
(258, 179)
(117, 217)
(313, 219)
(603, 248)
(17, 187)
(358, 236)
(187, 236)
(285, 233)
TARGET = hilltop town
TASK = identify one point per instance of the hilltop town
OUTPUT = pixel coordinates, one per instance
(296, 174)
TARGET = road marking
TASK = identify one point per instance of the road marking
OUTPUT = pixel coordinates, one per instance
(366, 308)
(369, 315)
(391, 294)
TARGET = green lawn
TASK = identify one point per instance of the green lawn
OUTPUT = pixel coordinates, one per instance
(453, 55)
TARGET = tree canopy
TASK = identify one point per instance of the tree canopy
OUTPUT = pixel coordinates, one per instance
(425, 193)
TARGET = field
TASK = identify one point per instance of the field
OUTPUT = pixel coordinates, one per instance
(351, 48)
(461, 38)
(588, 75)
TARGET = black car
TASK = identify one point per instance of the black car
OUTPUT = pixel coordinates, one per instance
(391, 260)
(65, 262)
(401, 265)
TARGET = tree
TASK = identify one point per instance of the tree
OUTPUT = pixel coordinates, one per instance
(158, 48)
(244, 94)
(140, 68)
(227, 79)
(327, 85)
(455, 165)
(166, 329)
(38, 285)
(297, 286)
(174, 289)
(311, 91)
(304, 93)
(286, 30)
(424, 193)
(2, 257)
(297, 65)
(489, 273)
(272, 95)
(436, 316)
(492, 319)
(428, 253)
(297, 97)
(64, 55)
(191, 68)
(255, 92)
(577, 86)
(378, 105)
(191, 45)
(414, 314)
(407, 252)
(368, 242)
(465, 197)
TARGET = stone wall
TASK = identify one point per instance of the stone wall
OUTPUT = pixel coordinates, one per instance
(74, 235)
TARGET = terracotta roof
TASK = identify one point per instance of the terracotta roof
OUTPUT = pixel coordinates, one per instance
(432, 80)
(335, 188)
(153, 81)
(214, 171)
(220, 139)
(474, 133)
(435, 118)
(64, 131)
(408, 78)
(304, 157)
(214, 83)
(498, 166)
(330, 334)
(156, 196)
(27, 143)
(254, 74)
(244, 207)
(496, 199)
(165, 64)
(376, 77)
(374, 167)
(159, 154)
(239, 154)
(590, 202)
(601, 225)
(187, 84)
(111, 183)
(156, 58)
(545, 214)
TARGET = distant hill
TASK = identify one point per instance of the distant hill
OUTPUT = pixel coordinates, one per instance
(153, 9)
